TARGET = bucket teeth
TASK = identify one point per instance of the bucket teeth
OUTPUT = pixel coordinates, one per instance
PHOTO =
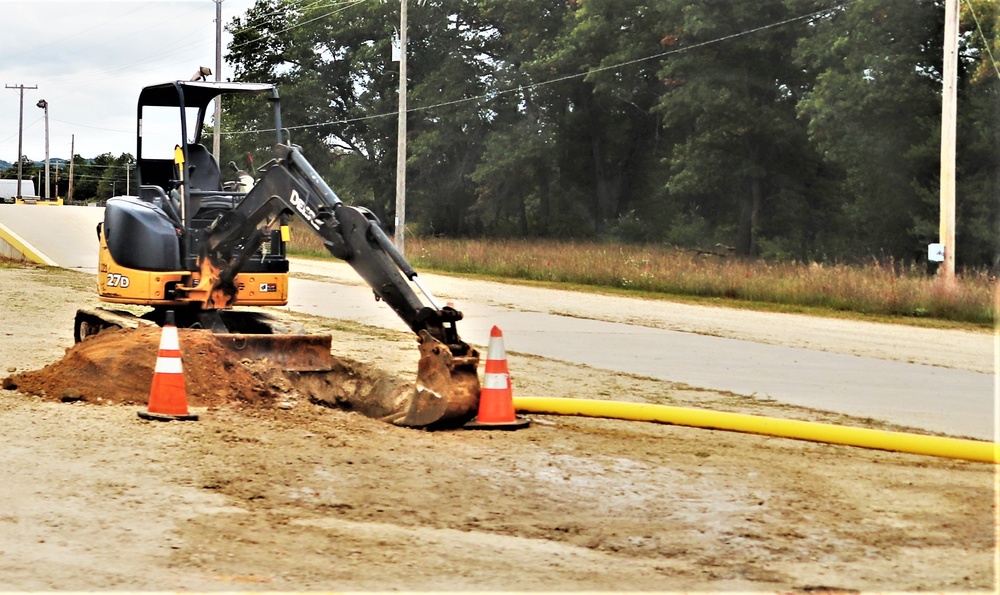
(426, 408)
(447, 385)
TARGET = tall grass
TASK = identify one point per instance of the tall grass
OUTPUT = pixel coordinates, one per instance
(878, 288)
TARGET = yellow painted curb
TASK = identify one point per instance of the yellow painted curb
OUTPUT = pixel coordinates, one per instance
(22, 246)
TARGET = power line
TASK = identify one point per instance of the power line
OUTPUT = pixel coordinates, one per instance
(986, 42)
(94, 127)
(345, 5)
(520, 88)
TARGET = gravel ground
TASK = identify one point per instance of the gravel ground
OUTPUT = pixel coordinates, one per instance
(302, 497)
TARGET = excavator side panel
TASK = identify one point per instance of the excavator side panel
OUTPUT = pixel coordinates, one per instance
(121, 284)
(117, 284)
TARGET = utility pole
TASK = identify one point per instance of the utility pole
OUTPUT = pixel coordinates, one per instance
(217, 129)
(401, 133)
(45, 105)
(72, 159)
(20, 133)
(949, 117)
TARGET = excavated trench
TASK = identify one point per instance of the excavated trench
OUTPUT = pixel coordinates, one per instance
(117, 366)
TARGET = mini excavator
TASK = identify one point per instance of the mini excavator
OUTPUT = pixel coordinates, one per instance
(201, 246)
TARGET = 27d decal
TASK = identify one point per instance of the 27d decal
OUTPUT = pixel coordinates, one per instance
(117, 280)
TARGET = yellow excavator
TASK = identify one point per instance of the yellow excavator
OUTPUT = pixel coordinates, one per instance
(201, 246)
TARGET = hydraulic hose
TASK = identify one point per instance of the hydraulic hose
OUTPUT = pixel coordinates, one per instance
(937, 446)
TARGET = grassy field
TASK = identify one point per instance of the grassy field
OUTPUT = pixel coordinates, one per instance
(878, 289)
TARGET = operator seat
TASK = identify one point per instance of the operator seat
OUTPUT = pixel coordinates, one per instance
(204, 180)
(202, 169)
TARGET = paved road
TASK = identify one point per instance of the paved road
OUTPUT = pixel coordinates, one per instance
(956, 401)
(62, 236)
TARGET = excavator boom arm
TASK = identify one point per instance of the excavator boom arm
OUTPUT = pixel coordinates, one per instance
(353, 234)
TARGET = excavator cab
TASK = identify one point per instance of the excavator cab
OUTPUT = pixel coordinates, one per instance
(150, 244)
(202, 246)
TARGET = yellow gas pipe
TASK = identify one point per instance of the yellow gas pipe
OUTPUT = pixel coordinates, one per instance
(954, 448)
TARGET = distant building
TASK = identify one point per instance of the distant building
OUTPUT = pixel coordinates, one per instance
(8, 189)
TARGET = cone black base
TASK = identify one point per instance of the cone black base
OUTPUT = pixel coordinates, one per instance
(165, 417)
(517, 424)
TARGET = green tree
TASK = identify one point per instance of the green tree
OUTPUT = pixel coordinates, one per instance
(450, 68)
(874, 112)
(729, 109)
(519, 189)
(116, 175)
(789, 128)
(978, 134)
(87, 175)
(330, 66)
(576, 126)
(339, 96)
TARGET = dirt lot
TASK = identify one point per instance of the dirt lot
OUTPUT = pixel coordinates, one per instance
(281, 494)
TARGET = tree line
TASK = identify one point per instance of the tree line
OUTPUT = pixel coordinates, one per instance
(794, 129)
(97, 178)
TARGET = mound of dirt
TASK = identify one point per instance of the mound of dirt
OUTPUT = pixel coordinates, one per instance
(116, 367)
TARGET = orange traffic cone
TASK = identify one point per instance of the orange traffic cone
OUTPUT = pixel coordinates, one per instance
(496, 401)
(167, 396)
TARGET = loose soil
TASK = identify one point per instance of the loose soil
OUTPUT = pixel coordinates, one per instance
(273, 491)
(117, 366)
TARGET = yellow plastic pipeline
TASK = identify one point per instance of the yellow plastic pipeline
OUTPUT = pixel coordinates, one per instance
(936, 446)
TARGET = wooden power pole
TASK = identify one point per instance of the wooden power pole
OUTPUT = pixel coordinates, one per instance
(949, 117)
(217, 128)
(72, 160)
(401, 134)
(20, 133)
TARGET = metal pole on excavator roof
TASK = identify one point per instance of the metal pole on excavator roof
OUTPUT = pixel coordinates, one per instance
(401, 134)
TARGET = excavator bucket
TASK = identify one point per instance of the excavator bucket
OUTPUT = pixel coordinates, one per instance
(447, 385)
(446, 391)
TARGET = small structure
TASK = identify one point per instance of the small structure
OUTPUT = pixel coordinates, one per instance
(8, 190)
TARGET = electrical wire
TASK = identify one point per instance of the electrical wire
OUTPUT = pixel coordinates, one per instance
(521, 88)
(343, 6)
(986, 42)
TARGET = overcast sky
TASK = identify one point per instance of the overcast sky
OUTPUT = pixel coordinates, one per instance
(89, 60)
